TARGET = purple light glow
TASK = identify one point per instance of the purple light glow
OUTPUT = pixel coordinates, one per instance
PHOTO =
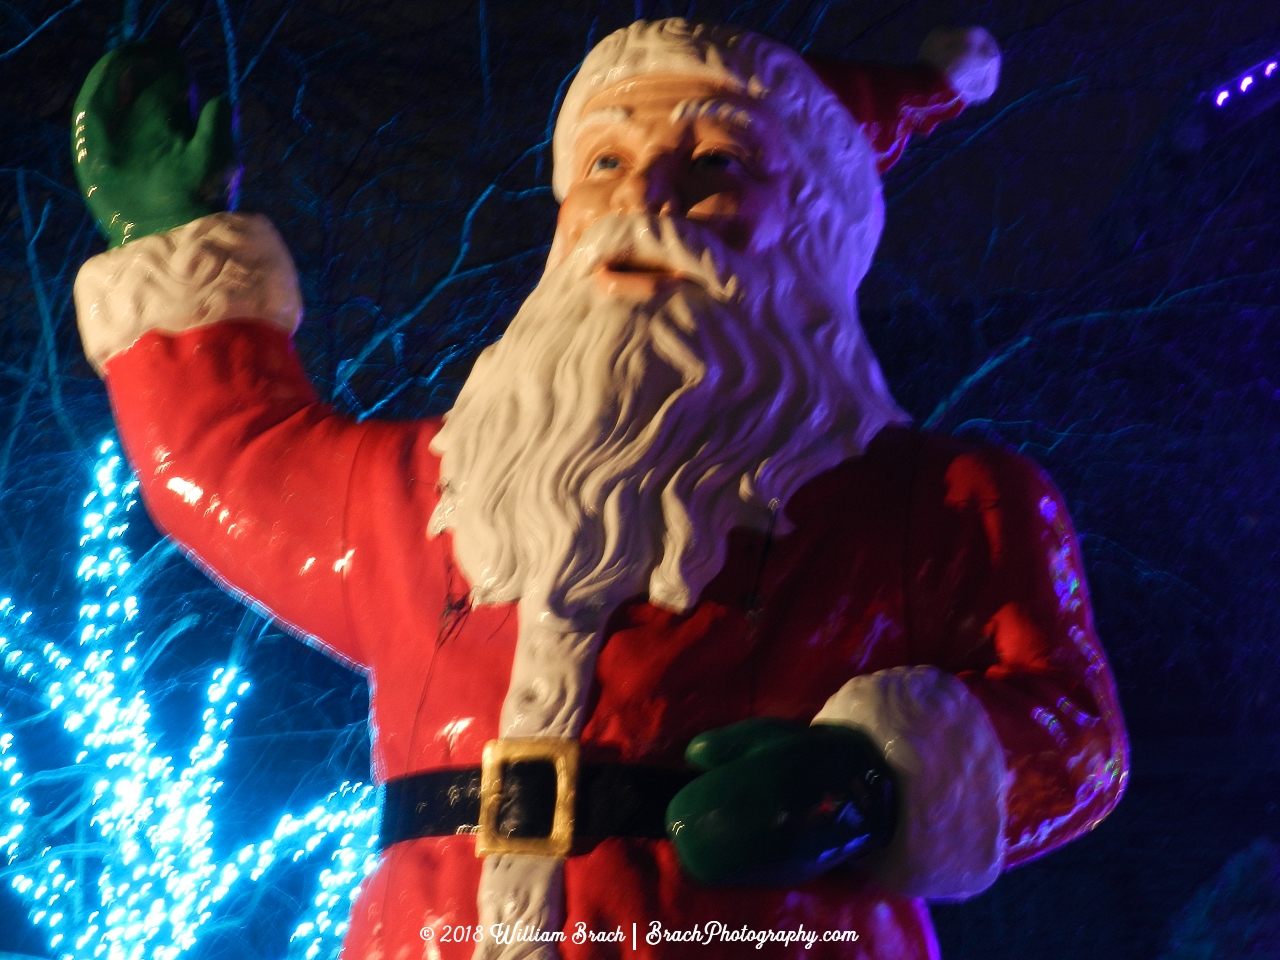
(1271, 68)
(1245, 84)
(1221, 98)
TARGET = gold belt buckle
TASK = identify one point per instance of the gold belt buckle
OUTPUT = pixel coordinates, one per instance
(497, 754)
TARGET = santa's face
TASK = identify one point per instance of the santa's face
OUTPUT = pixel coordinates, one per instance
(687, 361)
(672, 146)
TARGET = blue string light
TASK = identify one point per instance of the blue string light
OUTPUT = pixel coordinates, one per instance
(152, 820)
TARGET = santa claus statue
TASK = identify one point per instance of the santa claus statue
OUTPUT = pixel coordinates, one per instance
(674, 630)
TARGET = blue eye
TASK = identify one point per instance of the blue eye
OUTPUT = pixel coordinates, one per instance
(714, 160)
(607, 162)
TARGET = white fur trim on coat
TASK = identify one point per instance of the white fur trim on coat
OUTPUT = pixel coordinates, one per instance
(950, 773)
(524, 897)
(970, 59)
(220, 267)
(551, 676)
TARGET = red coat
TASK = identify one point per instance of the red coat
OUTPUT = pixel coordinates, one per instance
(926, 550)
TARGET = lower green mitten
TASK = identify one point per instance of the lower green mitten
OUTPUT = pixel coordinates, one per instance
(781, 802)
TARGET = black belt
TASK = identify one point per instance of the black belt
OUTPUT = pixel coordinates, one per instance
(610, 800)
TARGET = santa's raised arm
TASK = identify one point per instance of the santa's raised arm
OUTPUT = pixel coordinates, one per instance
(673, 598)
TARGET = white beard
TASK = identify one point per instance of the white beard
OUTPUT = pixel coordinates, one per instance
(604, 448)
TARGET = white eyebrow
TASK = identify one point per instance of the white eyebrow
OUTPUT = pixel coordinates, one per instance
(714, 107)
(603, 115)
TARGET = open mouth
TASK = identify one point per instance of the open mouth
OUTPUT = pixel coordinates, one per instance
(641, 267)
(629, 277)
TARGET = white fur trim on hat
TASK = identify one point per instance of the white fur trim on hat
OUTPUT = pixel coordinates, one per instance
(970, 59)
(744, 62)
(951, 777)
(220, 267)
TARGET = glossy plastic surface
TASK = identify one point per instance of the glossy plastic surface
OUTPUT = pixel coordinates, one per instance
(142, 164)
(926, 550)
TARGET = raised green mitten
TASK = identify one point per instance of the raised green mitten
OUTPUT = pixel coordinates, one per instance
(780, 803)
(143, 164)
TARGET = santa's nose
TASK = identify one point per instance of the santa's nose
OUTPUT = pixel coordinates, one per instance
(652, 189)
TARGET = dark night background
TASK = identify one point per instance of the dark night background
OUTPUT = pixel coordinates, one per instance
(1085, 268)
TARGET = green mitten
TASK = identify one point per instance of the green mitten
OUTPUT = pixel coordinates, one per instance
(143, 164)
(781, 802)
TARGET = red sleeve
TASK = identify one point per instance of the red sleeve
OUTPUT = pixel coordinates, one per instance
(1009, 614)
(282, 500)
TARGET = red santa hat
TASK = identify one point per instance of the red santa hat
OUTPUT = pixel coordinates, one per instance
(883, 103)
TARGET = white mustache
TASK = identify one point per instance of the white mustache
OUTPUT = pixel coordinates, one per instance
(681, 247)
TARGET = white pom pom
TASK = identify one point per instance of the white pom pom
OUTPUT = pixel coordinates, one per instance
(968, 56)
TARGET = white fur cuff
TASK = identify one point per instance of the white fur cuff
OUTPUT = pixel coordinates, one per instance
(970, 59)
(950, 771)
(221, 267)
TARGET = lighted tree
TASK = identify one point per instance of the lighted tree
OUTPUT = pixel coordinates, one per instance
(126, 865)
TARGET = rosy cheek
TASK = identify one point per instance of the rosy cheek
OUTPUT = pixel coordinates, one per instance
(717, 205)
(725, 215)
(567, 217)
(582, 207)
